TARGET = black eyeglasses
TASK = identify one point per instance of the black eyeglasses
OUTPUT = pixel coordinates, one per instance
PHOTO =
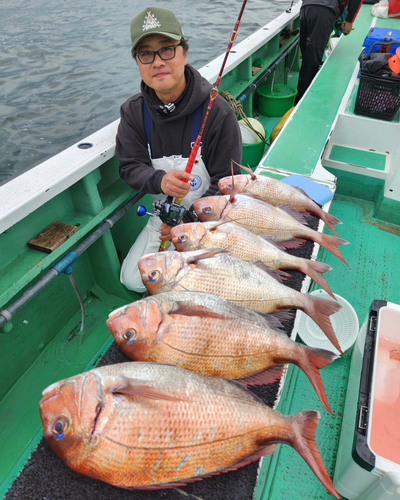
(148, 56)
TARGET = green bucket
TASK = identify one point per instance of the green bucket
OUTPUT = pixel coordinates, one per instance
(252, 153)
(275, 101)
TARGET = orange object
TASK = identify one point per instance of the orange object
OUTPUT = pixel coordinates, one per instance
(394, 62)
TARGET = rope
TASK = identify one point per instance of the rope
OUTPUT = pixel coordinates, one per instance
(238, 109)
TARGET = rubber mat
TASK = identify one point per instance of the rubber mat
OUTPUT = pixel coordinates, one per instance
(46, 477)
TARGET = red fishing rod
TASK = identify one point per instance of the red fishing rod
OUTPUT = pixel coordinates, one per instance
(196, 146)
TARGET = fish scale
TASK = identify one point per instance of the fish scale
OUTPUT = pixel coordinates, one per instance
(262, 218)
(246, 284)
(242, 283)
(246, 246)
(207, 425)
(210, 335)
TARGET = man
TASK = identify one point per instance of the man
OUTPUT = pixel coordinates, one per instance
(317, 21)
(159, 125)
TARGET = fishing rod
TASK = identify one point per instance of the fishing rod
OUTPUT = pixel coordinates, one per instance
(175, 206)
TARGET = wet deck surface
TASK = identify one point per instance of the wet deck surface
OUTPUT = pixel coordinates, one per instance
(373, 250)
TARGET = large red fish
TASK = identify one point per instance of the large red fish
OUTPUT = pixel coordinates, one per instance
(263, 219)
(151, 426)
(243, 283)
(276, 193)
(207, 334)
(247, 246)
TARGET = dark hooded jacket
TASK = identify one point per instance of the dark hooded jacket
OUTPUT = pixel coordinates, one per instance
(171, 135)
(340, 7)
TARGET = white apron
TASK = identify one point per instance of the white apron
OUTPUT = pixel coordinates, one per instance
(148, 240)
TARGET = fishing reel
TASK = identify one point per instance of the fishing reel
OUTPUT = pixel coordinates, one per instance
(170, 212)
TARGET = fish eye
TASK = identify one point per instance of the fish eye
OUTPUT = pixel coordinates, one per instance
(153, 276)
(130, 335)
(207, 210)
(59, 427)
(182, 238)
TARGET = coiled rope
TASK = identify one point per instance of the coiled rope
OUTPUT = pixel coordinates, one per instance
(238, 109)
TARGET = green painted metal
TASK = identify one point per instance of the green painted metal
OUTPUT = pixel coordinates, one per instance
(42, 343)
(311, 124)
(367, 159)
(284, 475)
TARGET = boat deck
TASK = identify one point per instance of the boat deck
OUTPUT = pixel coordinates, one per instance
(374, 247)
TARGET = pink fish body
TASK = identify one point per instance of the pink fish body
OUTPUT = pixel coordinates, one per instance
(263, 219)
(207, 334)
(277, 193)
(242, 283)
(150, 426)
(246, 246)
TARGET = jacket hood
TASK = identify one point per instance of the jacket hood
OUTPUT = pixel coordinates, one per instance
(197, 91)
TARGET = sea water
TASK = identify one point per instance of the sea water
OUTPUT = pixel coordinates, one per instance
(66, 67)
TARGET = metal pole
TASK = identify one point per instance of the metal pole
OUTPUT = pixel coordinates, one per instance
(65, 262)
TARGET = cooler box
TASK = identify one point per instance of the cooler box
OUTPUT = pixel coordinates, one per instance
(382, 35)
(368, 462)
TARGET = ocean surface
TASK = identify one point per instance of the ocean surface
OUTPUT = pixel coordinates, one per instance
(66, 66)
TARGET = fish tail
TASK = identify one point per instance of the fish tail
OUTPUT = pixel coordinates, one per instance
(331, 244)
(304, 425)
(330, 220)
(320, 310)
(314, 270)
(310, 363)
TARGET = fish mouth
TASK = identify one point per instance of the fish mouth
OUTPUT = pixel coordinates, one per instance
(98, 412)
(119, 311)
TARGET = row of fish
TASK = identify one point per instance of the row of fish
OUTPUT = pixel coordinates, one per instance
(214, 314)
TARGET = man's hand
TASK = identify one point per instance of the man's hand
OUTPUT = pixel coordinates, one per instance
(166, 232)
(346, 28)
(172, 183)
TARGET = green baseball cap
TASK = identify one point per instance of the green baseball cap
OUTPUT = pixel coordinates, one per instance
(155, 21)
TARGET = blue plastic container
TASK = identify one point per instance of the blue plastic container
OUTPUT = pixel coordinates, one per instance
(382, 35)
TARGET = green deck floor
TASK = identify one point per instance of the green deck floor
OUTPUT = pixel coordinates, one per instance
(373, 249)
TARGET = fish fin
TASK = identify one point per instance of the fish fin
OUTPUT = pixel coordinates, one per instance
(184, 309)
(294, 243)
(131, 387)
(277, 244)
(331, 244)
(278, 275)
(315, 360)
(261, 452)
(302, 192)
(285, 315)
(272, 320)
(163, 486)
(294, 213)
(330, 221)
(248, 170)
(264, 378)
(207, 254)
(304, 425)
(314, 270)
(320, 311)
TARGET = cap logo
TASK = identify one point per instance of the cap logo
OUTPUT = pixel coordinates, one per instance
(150, 22)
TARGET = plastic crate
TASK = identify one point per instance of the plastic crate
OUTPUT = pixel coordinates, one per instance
(377, 97)
(382, 35)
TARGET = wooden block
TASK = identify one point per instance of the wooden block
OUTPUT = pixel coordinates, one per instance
(52, 237)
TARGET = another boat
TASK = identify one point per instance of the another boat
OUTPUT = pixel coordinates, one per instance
(43, 312)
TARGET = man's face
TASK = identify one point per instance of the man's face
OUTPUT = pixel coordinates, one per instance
(166, 78)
